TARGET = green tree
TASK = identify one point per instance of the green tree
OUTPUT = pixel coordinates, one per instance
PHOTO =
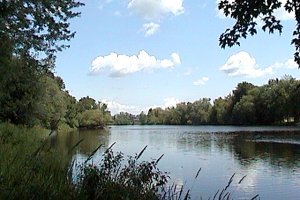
(219, 113)
(155, 116)
(200, 111)
(244, 111)
(172, 116)
(92, 114)
(52, 105)
(20, 89)
(246, 12)
(71, 113)
(34, 26)
(86, 103)
(91, 119)
(124, 118)
(143, 118)
(31, 32)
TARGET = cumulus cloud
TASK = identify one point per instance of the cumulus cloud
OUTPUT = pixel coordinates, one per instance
(120, 65)
(289, 64)
(115, 107)
(156, 9)
(280, 13)
(201, 81)
(150, 28)
(168, 103)
(242, 64)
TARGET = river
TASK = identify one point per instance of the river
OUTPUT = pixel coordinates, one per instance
(269, 157)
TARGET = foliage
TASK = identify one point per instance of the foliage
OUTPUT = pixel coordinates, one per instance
(124, 118)
(92, 119)
(115, 180)
(91, 114)
(37, 26)
(52, 106)
(20, 87)
(28, 168)
(86, 103)
(274, 103)
(246, 13)
(31, 32)
(142, 118)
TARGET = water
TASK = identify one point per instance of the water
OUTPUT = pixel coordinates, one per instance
(268, 156)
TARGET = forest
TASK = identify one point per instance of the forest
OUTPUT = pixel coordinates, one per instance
(275, 103)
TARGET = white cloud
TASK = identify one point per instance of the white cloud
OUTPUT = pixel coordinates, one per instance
(201, 81)
(156, 9)
(176, 58)
(115, 107)
(280, 13)
(150, 28)
(121, 65)
(242, 64)
(289, 64)
(170, 102)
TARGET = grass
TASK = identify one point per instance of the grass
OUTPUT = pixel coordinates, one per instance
(30, 169)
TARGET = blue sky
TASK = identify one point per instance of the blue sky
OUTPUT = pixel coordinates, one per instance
(137, 54)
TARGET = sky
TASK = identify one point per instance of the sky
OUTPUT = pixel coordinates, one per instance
(139, 54)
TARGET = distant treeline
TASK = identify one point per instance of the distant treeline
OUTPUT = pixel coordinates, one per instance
(46, 102)
(277, 102)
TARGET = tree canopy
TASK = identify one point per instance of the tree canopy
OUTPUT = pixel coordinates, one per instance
(31, 32)
(36, 27)
(246, 13)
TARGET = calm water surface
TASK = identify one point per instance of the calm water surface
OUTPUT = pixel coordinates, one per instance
(268, 156)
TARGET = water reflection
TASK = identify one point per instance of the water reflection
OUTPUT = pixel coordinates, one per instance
(273, 149)
(91, 139)
(279, 149)
(270, 157)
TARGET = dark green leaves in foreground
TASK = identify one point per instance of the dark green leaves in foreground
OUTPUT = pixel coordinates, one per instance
(246, 13)
(116, 179)
(37, 25)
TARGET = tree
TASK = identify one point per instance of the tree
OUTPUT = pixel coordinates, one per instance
(200, 111)
(124, 118)
(86, 103)
(246, 12)
(71, 114)
(20, 89)
(31, 32)
(52, 105)
(142, 118)
(219, 113)
(244, 111)
(36, 26)
(92, 114)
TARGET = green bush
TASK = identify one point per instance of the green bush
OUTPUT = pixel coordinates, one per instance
(116, 179)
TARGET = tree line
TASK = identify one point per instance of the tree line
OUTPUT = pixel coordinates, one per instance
(277, 102)
(47, 103)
